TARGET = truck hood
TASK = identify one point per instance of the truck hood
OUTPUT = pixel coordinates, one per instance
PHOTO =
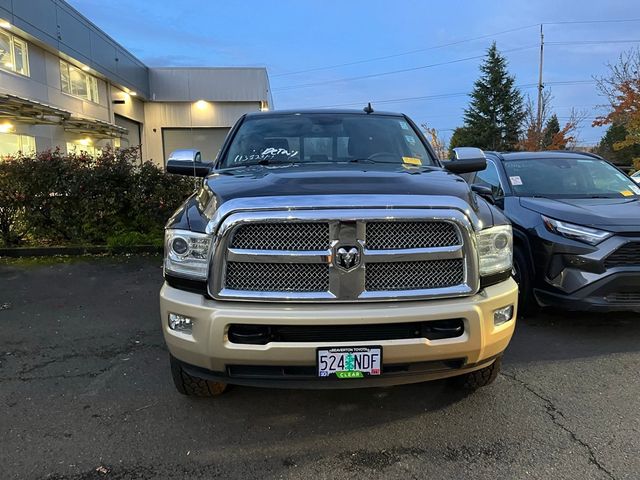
(334, 179)
(616, 214)
(326, 179)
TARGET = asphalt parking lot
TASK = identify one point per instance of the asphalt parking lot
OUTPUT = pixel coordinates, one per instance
(85, 392)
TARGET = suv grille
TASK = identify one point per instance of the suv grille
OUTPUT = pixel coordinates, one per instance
(278, 277)
(282, 236)
(399, 235)
(414, 275)
(623, 298)
(626, 256)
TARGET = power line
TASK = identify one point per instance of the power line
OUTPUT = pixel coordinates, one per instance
(451, 95)
(393, 72)
(575, 22)
(591, 42)
(444, 45)
(408, 52)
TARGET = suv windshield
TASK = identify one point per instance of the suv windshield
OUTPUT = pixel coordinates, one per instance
(568, 178)
(331, 137)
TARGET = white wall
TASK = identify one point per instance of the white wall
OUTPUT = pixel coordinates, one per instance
(180, 114)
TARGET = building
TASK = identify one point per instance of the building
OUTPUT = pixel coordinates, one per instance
(65, 83)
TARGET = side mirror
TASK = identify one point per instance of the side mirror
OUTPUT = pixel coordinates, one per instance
(188, 162)
(484, 192)
(466, 160)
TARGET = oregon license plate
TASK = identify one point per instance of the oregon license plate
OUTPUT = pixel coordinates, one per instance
(349, 362)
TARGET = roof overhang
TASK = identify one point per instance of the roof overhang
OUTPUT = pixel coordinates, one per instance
(31, 112)
(94, 128)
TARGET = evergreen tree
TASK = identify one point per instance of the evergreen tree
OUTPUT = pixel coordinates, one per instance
(551, 129)
(620, 156)
(493, 119)
(460, 138)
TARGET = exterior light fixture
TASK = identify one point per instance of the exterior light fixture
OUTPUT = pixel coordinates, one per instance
(85, 68)
(4, 24)
(85, 141)
(502, 315)
(133, 94)
(201, 104)
(180, 323)
(6, 128)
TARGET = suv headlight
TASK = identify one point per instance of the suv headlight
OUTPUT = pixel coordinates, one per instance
(589, 235)
(495, 250)
(186, 253)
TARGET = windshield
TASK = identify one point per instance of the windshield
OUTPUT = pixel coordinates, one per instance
(568, 178)
(318, 137)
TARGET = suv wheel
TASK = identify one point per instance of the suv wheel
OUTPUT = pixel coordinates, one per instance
(522, 276)
(480, 378)
(194, 386)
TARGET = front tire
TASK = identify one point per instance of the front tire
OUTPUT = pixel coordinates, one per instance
(480, 378)
(194, 386)
(522, 275)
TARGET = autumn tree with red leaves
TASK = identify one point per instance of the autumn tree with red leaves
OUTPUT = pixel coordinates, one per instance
(548, 135)
(622, 89)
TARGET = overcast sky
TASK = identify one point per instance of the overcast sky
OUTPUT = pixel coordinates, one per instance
(289, 36)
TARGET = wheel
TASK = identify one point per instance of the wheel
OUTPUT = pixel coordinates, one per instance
(194, 386)
(479, 378)
(522, 275)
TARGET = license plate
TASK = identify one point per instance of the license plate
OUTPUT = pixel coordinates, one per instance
(349, 362)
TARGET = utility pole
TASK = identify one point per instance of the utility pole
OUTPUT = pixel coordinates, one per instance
(540, 85)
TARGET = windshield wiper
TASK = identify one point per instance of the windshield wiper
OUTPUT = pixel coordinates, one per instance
(362, 160)
(266, 161)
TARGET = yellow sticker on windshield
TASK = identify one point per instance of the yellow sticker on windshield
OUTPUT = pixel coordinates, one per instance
(626, 193)
(412, 160)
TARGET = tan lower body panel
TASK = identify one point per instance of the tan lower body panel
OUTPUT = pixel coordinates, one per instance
(208, 347)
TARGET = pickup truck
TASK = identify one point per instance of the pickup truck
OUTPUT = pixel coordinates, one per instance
(333, 249)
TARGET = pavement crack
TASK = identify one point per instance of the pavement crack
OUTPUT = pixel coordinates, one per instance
(555, 414)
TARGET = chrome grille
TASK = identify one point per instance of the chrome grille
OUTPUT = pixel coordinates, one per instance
(414, 275)
(397, 235)
(291, 255)
(278, 277)
(282, 236)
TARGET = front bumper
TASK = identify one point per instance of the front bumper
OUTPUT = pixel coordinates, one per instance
(209, 353)
(616, 292)
(582, 277)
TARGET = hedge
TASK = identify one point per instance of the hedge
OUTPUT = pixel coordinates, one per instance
(51, 198)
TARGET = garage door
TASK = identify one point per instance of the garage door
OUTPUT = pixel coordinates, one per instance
(132, 139)
(207, 140)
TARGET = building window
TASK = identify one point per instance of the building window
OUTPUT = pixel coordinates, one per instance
(78, 83)
(11, 144)
(13, 54)
(83, 146)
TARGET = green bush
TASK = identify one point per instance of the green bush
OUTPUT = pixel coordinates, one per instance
(53, 198)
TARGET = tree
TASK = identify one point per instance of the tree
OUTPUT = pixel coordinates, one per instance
(532, 139)
(622, 156)
(622, 89)
(494, 116)
(438, 144)
(459, 138)
(551, 129)
(551, 137)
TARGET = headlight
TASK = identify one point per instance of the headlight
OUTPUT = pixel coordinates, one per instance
(186, 253)
(495, 250)
(589, 235)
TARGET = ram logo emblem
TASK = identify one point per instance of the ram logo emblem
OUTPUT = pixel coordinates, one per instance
(348, 258)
